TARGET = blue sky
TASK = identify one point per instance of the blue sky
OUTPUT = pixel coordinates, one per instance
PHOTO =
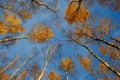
(67, 49)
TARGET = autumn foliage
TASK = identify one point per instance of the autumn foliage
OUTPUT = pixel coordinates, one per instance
(54, 76)
(74, 13)
(103, 68)
(96, 34)
(11, 24)
(4, 76)
(85, 62)
(41, 34)
(67, 64)
(25, 14)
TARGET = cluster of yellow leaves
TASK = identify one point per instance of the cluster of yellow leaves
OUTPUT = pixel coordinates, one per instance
(118, 78)
(3, 30)
(25, 14)
(4, 76)
(81, 32)
(41, 34)
(73, 16)
(85, 62)
(54, 76)
(103, 68)
(104, 78)
(22, 75)
(12, 19)
(105, 25)
(104, 49)
(115, 55)
(67, 64)
(12, 24)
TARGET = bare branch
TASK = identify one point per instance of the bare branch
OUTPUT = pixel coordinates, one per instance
(12, 39)
(18, 38)
(93, 73)
(97, 57)
(104, 41)
(25, 61)
(47, 61)
(10, 64)
(88, 42)
(47, 6)
(113, 38)
(97, 78)
(7, 8)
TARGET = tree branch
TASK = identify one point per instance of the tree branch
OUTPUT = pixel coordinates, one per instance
(113, 38)
(79, 4)
(10, 64)
(47, 61)
(47, 6)
(97, 78)
(18, 38)
(7, 8)
(97, 57)
(104, 41)
(12, 39)
(25, 61)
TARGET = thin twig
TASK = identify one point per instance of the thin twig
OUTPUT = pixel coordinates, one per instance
(97, 78)
(88, 42)
(113, 38)
(7, 8)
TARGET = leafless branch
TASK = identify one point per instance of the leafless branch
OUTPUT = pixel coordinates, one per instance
(12, 39)
(88, 42)
(10, 64)
(47, 61)
(25, 61)
(97, 57)
(7, 8)
(104, 41)
(44, 4)
(113, 38)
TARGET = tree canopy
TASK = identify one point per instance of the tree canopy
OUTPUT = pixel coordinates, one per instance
(59, 40)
